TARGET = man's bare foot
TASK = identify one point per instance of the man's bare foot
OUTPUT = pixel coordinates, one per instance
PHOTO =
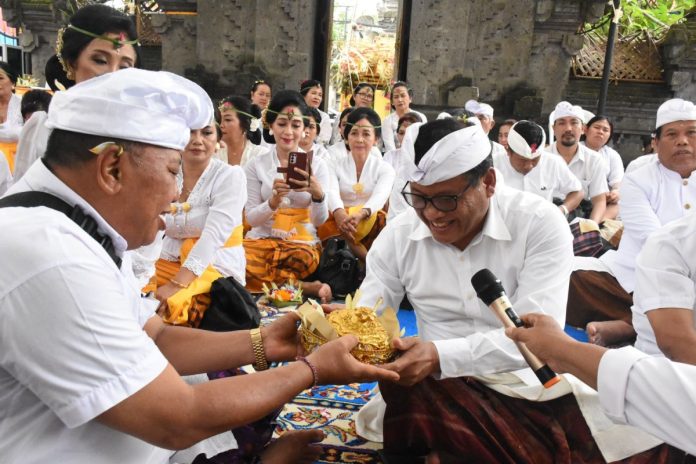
(318, 289)
(294, 446)
(610, 333)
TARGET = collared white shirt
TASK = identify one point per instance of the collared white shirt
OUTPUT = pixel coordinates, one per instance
(640, 161)
(651, 393)
(390, 125)
(32, 143)
(371, 191)
(651, 197)
(260, 173)
(216, 205)
(589, 167)
(614, 163)
(71, 339)
(549, 179)
(665, 278)
(525, 242)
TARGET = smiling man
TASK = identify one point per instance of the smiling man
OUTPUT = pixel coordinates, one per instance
(464, 388)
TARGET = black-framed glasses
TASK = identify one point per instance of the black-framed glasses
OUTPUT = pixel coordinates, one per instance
(444, 203)
(368, 95)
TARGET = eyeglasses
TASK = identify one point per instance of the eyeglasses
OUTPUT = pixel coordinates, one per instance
(367, 95)
(444, 203)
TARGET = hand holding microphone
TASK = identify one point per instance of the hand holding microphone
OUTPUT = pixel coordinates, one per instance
(491, 292)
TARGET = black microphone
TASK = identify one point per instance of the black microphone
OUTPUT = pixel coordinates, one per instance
(491, 292)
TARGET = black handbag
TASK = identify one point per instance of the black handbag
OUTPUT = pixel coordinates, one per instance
(232, 307)
(339, 268)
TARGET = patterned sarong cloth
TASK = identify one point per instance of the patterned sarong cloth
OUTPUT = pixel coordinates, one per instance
(462, 417)
(368, 230)
(274, 260)
(187, 306)
(596, 296)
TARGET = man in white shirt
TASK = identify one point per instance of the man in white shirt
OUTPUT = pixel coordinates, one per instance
(665, 295)
(587, 165)
(651, 393)
(653, 195)
(462, 379)
(528, 168)
(90, 374)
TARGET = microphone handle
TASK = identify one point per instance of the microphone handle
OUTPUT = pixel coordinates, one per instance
(503, 309)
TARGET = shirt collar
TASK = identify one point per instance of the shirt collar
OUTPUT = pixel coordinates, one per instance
(40, 178)
(579, 153)
(493, 226)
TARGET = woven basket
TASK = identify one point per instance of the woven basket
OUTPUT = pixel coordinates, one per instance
(363, 353)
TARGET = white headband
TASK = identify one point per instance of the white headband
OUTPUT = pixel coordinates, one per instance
(565, 109)
(520, 146)
(674, 110)
(453, 155)
(479, 108)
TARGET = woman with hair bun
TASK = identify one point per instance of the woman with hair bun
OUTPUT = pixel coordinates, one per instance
(240, 126)
(261, 93)
(400, 99)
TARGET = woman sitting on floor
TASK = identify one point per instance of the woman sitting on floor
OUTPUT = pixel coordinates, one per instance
(364, 185)
(240, 125)
(203, 236)
(282, 243)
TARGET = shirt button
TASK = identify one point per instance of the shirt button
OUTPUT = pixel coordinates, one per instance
(687, 206)
(685, 182)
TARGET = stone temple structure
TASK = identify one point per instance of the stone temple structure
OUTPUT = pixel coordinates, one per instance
(515, 55)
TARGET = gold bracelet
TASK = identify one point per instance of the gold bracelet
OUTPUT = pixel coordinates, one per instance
(261, 363)
(178, 284)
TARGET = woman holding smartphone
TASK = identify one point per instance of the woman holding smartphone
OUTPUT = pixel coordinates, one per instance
(284, 214)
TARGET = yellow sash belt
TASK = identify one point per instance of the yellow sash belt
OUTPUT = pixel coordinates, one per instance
(180, 302)
(9, 149)
(288, 224)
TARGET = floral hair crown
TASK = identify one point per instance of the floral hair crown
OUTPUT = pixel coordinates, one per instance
(255, 122)
(289, 114)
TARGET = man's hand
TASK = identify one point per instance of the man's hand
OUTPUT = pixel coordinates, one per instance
(281, 341)
(417, 360)
(613, 197)
(544, 337)
(336, 366)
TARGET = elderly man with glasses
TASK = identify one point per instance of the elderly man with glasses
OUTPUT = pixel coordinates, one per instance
(464, 390)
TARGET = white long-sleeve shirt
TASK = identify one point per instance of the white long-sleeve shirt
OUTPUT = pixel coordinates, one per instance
(525, 242)
(217, 201)
(665, 278)
(397, 204)
(651, 197)
(5, 174)
(260, 173)
(589, 167)
(325, 128)
(389, 126)
(551, 178)
(10, 129)
(651, 393)
(376, 181)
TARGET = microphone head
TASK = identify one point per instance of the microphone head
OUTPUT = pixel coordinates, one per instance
(488, 287)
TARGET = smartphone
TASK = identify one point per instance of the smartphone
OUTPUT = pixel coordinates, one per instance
(299, 160)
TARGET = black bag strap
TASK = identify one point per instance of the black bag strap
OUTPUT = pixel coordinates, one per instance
(32, 199)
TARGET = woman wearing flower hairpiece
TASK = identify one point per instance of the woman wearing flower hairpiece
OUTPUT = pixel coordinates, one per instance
(313, 94)
(282, 243)
(364, 184)
(311, 133)
(363, 97)
(240, 125)
(261, 93)
(97, 40)
(400, 98)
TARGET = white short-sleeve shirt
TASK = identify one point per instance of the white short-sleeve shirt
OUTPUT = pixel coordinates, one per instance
(589, 167)
(549, 179)
(614, 163)
(665, 277)
(72, 343)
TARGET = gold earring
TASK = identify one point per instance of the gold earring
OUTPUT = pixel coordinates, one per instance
(217, 146)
